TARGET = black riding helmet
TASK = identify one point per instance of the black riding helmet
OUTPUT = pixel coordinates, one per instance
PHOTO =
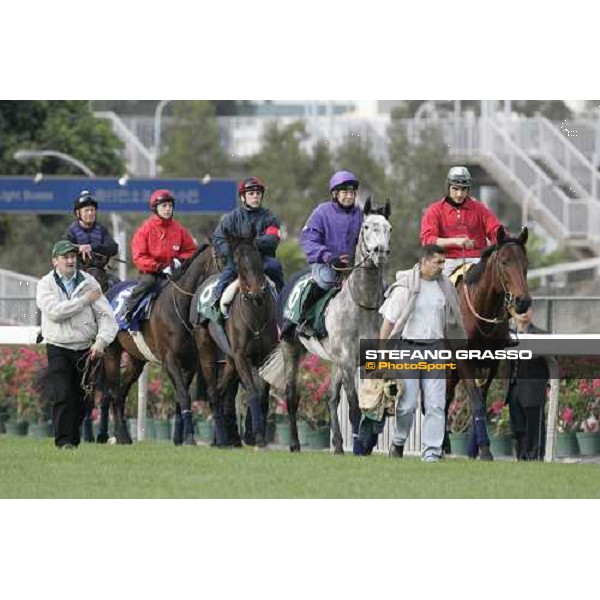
(85, 199)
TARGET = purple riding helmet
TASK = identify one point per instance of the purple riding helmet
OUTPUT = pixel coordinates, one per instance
(342, 178)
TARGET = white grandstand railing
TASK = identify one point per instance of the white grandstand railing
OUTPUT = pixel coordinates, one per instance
(17, 289)
(589, 264)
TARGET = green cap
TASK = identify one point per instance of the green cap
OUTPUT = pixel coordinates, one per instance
(63, 247)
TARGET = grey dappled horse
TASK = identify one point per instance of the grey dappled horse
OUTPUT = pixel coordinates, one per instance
(351, 315)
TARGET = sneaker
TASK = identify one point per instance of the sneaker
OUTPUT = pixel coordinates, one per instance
(431, 459)
(396, 451)
(67, 447)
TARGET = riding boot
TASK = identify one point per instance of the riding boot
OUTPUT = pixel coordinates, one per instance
(305, 327)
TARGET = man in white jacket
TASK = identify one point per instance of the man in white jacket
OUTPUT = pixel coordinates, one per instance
(76, 318)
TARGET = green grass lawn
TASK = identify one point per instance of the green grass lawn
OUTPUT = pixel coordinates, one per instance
(31, 468)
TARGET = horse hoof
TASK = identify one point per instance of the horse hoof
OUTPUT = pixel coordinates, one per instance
(102, 438)
(189, 441)
(261, 448)
(295, 447)
(339, 450)
(485, 454)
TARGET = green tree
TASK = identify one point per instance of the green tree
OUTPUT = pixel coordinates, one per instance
(64, 126)
(417, 172)
(193, 144)
(284, 166)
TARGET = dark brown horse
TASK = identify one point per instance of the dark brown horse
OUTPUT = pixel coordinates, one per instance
(252, 334)
(489, 293)
(168, 335)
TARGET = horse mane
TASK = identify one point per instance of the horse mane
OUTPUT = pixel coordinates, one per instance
(474, 273)
(179, 273)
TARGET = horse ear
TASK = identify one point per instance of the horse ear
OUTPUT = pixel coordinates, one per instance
(524, 236)
(387, 211)
(501, 235)
(367, 207)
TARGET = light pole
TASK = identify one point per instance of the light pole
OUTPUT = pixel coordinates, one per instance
(116, 221)
(157, 134)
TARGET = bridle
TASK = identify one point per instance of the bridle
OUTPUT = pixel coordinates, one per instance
(508, 296)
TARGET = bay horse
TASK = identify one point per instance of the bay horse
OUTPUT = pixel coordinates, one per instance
(489, 293)
(168, 335)
(351, 315)
(252, 335)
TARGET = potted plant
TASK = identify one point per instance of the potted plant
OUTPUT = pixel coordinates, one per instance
(161, 400)
(571, 409)
(588, 438)
(203, 420)
(313, 384)
(498, 418)
(459, 422)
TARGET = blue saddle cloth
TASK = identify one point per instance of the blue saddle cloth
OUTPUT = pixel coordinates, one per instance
(117, 297)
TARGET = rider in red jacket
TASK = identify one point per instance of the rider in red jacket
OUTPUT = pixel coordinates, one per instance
(459, 223)
(158, 247)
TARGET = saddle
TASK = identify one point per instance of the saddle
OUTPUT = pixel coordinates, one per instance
(293, 309)
(117, 296)
(460, 272)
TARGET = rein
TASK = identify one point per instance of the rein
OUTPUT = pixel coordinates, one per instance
(360, 265)
(508, 296)
(89, 373)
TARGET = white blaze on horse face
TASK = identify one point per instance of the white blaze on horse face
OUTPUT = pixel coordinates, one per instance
(376, 237)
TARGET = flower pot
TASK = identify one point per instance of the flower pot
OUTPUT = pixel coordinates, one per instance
(132, 429)
(163, 429)
(282, 433)
(271, 431)
(501, 445)
(459, 444)
(205, 431)
(318, 439)
(16, 428)
(302, 432)
(41, 430)
(566, 444)
(589, 443)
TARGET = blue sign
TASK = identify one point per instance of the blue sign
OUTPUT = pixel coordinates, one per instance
(56, 195)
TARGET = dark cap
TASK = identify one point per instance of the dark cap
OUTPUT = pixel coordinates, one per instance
(63, 247)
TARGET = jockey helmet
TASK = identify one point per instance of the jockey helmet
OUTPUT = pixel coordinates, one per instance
(85, 199)
(459, 176)
(160, 196)
(341, 179)
(251, 183)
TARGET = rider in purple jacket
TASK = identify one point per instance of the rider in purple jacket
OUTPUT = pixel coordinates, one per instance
(329, 239)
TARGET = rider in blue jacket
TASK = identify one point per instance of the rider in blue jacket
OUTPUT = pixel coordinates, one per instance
(329, 239)
(238, 223)
(93, 240)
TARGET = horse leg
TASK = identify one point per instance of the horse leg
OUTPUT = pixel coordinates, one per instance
(183, 432)
(130, 375)
(180, 378)
(227, 376)
(335, 386)
(245, 374)
(354, 411)
(230, 414)
(291, 356)
(112, 377)
(479, 442)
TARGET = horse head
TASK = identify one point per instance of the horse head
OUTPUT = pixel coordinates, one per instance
(510, 270)
(375, 233)
(100, 275)
(248, 265)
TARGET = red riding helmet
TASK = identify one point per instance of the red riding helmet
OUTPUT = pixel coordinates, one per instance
(251, 183)
(160, 196)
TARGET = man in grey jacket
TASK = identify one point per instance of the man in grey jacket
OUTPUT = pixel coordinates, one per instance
(422, 308)
(76, 319)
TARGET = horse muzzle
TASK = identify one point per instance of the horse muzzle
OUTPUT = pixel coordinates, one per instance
(522, 305)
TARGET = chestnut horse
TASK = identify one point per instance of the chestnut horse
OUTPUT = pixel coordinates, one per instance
(489, 293)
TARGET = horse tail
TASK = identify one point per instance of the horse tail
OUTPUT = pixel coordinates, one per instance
(273, 369)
